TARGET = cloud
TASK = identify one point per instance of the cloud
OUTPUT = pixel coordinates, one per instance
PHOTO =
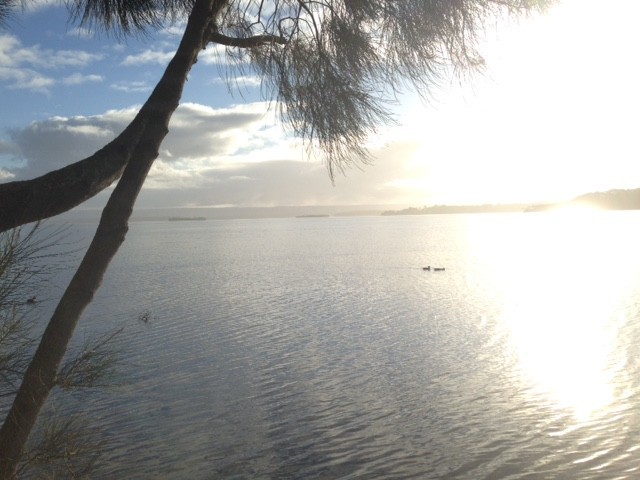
(215, 54)
(225, 156)
(146, 57)
(131, 86)
(13, 54)
(80, 32)
(197, 134)
(240, 81)
(268, 169)
(7, 148)
(20, 66)
(212, 55)
(198, 131)
(25, 79)
(8, 44)
(78, 79)
(58, 141)
(281, 182)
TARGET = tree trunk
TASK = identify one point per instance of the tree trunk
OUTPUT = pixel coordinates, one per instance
(41, 374)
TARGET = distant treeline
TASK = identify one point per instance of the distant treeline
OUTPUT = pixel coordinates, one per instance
(439, 209)
(609, 200)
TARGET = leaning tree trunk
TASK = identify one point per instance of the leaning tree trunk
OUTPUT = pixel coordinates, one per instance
(41, 373)
(58, 191)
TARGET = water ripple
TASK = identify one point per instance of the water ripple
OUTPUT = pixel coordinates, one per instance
(269, 354)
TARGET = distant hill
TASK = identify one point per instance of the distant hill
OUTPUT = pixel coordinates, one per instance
(609, 200)
(613, 199)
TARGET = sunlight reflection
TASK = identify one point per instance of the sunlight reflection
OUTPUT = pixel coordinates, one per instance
(561, 307)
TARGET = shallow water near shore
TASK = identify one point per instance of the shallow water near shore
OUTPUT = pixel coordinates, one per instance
(319, 348)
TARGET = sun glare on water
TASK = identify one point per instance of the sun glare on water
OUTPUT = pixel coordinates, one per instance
(560, 299)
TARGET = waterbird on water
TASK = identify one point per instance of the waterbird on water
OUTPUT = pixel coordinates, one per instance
(32, 300)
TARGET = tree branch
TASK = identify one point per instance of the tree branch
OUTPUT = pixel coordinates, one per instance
(56, 192)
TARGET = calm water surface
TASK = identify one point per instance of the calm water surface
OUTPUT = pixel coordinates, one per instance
(318, 348)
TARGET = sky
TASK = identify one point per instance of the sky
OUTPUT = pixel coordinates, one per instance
(554, 115)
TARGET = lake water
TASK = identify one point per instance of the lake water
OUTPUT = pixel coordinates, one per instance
(318, 348)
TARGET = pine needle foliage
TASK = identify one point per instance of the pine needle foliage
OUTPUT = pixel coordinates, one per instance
(127, 17)
(333, 67)
(26, 263)
(94, 365)
(67, 447)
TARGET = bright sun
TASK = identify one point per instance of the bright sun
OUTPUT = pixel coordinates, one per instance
(549, 120)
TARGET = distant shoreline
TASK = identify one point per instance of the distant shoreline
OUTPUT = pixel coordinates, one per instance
(609, 200)
(186, 219)
(454, 209)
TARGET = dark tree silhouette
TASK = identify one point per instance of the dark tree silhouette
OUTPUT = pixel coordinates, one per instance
(332, 66)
